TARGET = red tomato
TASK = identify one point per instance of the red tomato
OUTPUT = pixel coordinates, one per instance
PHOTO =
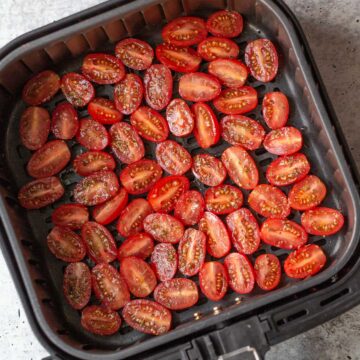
(231, 72)
(34, 127)
(149, 124)
(184, 31)
(139, 177)
(267, 271)
(244, 231)
(96, 188)
(65, 244)
(237, 101)
(41, 88)
(72, 216)
(164, 261)
(199, 86)
(179, 118)
(49, 159)
(241, 273)
(41, 192)
(225, 23)
(64, 121)
(218, 240)
(126, 143)
(208, 169)
(158, 83)
(305, 262)
(77, 285)
(218, 48)
(132, 217)
(190, 207)
(139, 276)
(322, 221)
(275, 109)
(191, 251)
(284, 141)
(213, 280)
(92, 135)
(262, 59)
(104, 111)
(241, 167)
(284, 234)
(307, 193)
(93, 161)
(134, 53)
(177, 294)
(269, 201)
(77, 89)
(147, 316)
(173, 158)
(103, 68)
(287, 170)
(166, 192)
(139, 245)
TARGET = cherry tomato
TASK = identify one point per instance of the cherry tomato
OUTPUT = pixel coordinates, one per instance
(179, 118)
(77, 89)
(164, 261)
(104, 111)
(93, 161)
(92, 135)
(208, 169)
(275, 109)
(284, 141)
(72, 216)
(267, 271)
(139, 245)
(64, 121)
(190, 207)
(231, 72)
(225, 23)
(213, 280)
(218, 48)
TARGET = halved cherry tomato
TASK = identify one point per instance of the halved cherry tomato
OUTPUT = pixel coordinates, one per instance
(93, 161)
(218, 240)
(126, 143)
(92, 135)
(128, 94)
(305, 262)
(134, 53)
(164, 261)
(225, 23)
(262, 59)
(223, 199)
(104, 111)
(208, 169)
(184, 31)
(103, 68)
(64, 121)
(213, 280)
(177, 294)
(149, 124)
(65, 244)
(100, 320)
(287, 170)
(179, 118)
(132, 217)
(191, 251)
(147, 316)
(181, 59)
(190, 207)
(275, 109)
(41, 192)
(158, 84)
(41, 88)
(96, 188)
(166, 192)
(207, 128)
(284, 141)
(267, 271)
(173, 158)
(237, 101)
(72, 216)
(199, 87)
(241, 273)
(244, 231)
(109, 287)
(307, 193)
(241, 167)
(99, 242)
(107, 212)
(269, 201)
(77, 89)
(283, 233)
(218, 48)
(49, 159)
(322, 221)
(231, 72)
(243, 131)
(34, 127)
(139, 177)
(138, 275)
(139, 245)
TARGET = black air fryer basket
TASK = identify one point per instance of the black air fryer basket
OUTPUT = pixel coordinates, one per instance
(238, 327)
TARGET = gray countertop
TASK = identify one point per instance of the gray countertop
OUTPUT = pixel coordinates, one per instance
(333, 30)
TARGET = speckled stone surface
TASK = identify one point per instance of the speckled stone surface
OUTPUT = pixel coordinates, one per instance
(333, 30)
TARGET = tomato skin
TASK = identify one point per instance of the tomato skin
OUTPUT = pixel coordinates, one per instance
(218, 48)
(180, 118)
(72, 216)
(208, 169)
(164, 261)
(190, 207)
(104, 111)
(231, 72)
(77, 90)
(267, 271)
(64, 121)
(304, 262)
(213, 280)
(93, 161)
(92, 135)
(284, 141)
(225, 23)
(140, 245)
(275, 109)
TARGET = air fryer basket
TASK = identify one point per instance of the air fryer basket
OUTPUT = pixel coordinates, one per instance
(61, 47)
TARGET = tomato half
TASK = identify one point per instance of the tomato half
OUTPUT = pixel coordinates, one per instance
(208, 169)
(139, 245)
(190, 207)
(179, 118)
(164, 261)
(104, 111)
(64, 121)
(305, 262)
(93, 161)
(231, 72)
(77, 89)
(218, 48)
(225, 23)
(213, 280)
(267, 271)
(92, 135)
(284, 141)
(72, 216)
(275, 109)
